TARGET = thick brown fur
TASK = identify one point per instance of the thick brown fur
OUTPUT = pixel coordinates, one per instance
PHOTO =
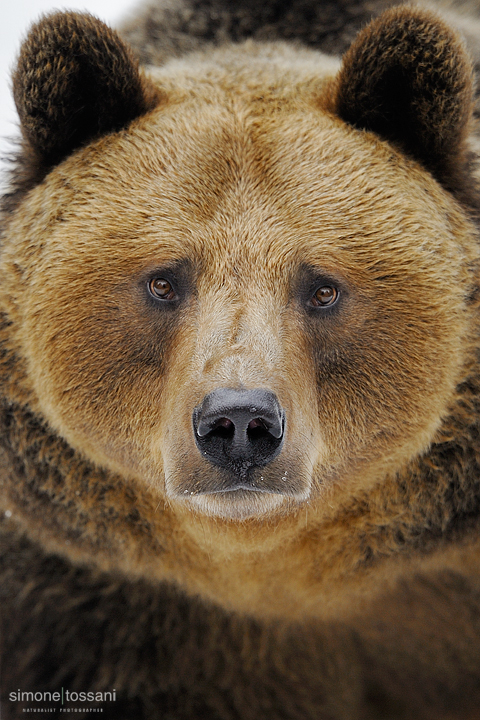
(95, 87)
(341, 580)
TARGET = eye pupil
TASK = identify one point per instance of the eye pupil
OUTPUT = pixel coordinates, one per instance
(161, 288)
(325, 295)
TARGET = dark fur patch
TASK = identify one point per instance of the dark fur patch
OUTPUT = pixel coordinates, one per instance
(300, 672)
(407, 78)
(75, 80)
(172, 29)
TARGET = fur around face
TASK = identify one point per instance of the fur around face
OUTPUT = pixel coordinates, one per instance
(248, 215)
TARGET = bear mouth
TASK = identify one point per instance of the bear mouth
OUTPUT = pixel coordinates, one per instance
(236, 503)
(212, 481)
(239, 497)
(240, 487)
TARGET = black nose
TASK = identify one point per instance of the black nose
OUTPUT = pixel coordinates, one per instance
(239, 429)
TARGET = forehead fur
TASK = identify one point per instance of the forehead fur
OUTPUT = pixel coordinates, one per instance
(237, 165)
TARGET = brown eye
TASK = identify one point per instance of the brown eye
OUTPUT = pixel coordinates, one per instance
(161, 288)
(324, 296)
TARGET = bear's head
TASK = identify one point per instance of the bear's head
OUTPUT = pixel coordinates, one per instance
(243, 282)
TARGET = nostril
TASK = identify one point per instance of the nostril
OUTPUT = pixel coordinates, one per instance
(257, 429)
(223, 428)
(225, 423)
(257, 423)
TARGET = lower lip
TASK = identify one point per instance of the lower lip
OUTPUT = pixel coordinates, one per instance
(237, 488)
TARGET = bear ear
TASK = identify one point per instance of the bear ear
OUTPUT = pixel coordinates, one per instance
(407, 77)
(75, 80)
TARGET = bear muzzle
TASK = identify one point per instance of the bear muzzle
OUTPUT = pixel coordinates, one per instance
(239, 430)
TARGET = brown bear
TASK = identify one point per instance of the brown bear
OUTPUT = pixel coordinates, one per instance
(239, 367)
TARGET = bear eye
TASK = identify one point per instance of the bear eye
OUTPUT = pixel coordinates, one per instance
(161, 288)
(324, 296)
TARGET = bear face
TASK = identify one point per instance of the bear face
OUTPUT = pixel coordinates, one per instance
(119, 369)
(254, 228)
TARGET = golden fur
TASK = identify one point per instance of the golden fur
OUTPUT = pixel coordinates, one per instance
(250, 174)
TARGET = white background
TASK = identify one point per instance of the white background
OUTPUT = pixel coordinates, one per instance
(16, 16)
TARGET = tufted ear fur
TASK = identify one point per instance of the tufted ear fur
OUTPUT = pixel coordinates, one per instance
(407, 77)
(75, 80)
